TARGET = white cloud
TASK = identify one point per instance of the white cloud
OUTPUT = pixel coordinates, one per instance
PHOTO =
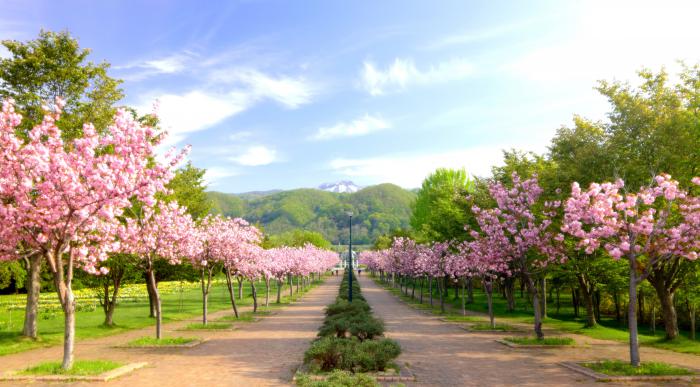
(615, 39)
(214, 175)
(403, 73)
(409, 170)
(358, 127)
(196, 110)
(256, 155)
(143, 69)
(292, 92)
(4, 52)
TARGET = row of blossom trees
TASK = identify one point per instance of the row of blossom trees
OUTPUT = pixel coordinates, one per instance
(522, 235)
(72, 203)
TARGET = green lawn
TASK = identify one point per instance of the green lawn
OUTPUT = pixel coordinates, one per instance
(80, 368)
(128, 315)
(545, 341)
(621, 368)
(150, 341)
(564, 321)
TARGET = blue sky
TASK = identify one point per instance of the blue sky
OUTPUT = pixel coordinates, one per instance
(286, 94)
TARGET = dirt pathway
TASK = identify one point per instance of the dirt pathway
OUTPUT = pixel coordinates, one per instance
(263, 353)
(443, 354)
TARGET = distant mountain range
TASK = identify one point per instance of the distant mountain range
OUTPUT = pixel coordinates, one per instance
(377, 209)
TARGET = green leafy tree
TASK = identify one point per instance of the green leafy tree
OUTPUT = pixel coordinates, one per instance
(439, 212)
(189, 190)
(54, 65)
(297, 238)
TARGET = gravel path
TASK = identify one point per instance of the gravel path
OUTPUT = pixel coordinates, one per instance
(263, 353)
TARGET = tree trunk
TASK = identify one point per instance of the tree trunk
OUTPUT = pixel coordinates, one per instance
(588, 300)
(229, 284)
(488, 286)
(279, 291)
(470, 291)
(558, 299)
(430, 289)
(640, 308)
(267, 292)
(632, 314)
(422, 280)
(206, 286)
(543, 300)
(69, 329)
(151, 297)
(691, 317)
(156, 301)
(535, 306)
(464, 306)
(63, 280)
(668, 309)
(255, 296)
(291, 287)
(31, 311)
(574, 300)
(509, 289)
(616, 300)
(240, 286)
(442, 288)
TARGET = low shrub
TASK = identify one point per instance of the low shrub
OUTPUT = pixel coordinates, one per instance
(361, 325)
(329, 353)
(344, 306)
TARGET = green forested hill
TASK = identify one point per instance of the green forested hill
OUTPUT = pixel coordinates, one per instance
(377, 210)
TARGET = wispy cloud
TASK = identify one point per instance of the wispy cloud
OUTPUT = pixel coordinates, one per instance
(214, 175)
(239, 136)
(472, 36)
(256, 155)
(409, 170)
(291, 92)
(195, 110)
(146, 68)
(403, 73)
(357, 127)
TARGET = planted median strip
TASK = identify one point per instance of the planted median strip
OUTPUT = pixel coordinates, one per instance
(351, 340)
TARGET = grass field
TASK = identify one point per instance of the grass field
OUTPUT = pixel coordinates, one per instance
(564, 321)
(128, 315)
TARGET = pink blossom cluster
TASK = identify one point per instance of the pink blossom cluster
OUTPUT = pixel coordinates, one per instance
(301, 261)
(61, 198)
(659, 221)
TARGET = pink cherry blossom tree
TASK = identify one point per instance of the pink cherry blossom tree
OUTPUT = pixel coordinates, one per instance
(647, 227)
(522, 233)
(62, 200)
(164, 231)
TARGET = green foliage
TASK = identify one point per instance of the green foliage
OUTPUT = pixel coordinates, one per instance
(338, 378)
(329, 353)
(189, 190)
(12, 273)
(297, 238)
(378, 210)
(440, 210)
(80, 368)
(53, 65)
(621, 368)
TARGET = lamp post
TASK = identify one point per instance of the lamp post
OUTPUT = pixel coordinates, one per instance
(350, 260)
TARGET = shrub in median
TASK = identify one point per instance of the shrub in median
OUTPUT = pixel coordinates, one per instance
(348, 339)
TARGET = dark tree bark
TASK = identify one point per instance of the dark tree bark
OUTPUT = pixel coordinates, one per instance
(666, 276)
(587, 289)
(31, 311)
(229, 284)
(109, 303)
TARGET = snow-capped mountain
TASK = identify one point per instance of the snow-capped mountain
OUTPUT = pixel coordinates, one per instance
(340, 186)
